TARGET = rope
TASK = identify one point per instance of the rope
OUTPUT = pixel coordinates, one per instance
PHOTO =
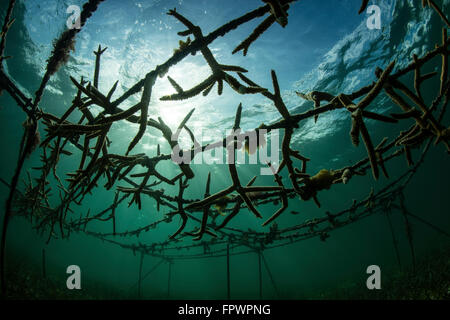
(432, 226)
(270, 275)
(228, 272)
(147, 274)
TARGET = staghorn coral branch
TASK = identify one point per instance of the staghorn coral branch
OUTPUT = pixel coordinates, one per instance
(316, 97)
(180, 211)
(444, 68)
(259, 30)
(8, 209)
(379, 157)
(122, 115)
(355, 130)
(278, 11)
(363, 7)
(432, 4)
(236, 209)
(22, 101)
(369, 146)
(182, 95)
(145, 101)
(377, 88)
(172, 139)
(62, 48)
(92, 93)
(98, 54)
(195, 46)
(203, 227)
(6, 26)
(378, 117)
(175, 85)
(359, 127)
(237, 119)
(284, 201)
(118, 167)
(417, 78)
(408, 110)
(426, 114)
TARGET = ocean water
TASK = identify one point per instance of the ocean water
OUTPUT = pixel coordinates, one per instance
(326, 46)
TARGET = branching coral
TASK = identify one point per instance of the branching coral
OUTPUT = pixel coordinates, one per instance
(96, 164)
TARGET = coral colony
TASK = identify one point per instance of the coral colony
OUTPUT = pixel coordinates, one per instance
(215, 210)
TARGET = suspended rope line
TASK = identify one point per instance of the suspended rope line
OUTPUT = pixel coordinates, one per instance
(141, 263)
(429, 224)
(44, 268)
(409, 234)
(228, 273)
(148, 273)
(394, 239)
(270, 275)
(99, 167)
(259, 274)
(169, 278)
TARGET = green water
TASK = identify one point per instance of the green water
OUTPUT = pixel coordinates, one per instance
(325, 47)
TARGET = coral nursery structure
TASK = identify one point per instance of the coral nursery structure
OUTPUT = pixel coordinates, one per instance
(48, 199)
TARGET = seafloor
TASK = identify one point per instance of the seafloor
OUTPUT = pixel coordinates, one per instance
(429, 280)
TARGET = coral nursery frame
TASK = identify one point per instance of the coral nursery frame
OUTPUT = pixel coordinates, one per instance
(216, 238)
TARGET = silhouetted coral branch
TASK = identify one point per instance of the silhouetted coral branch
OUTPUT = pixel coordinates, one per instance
(97, 165)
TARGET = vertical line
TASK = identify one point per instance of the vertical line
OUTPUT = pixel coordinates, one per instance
(44, 272)
(408, 231)
(228, 271)
(97, 67)
(410, 241)
(270, 275)
(168, 280)
(9, 201)
(394, 239)
(260, 275)
(140, 275)
(435, 228)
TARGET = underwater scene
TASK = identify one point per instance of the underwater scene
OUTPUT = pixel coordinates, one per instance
(213, 150)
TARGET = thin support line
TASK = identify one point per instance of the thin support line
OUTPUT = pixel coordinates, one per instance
(270, 275)
(394, 239)
(141, 262)
(260, 275)
(168, 279)
(44, 271)
(432, 226)
(228, 271)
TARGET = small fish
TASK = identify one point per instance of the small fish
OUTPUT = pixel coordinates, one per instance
(295, 212)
